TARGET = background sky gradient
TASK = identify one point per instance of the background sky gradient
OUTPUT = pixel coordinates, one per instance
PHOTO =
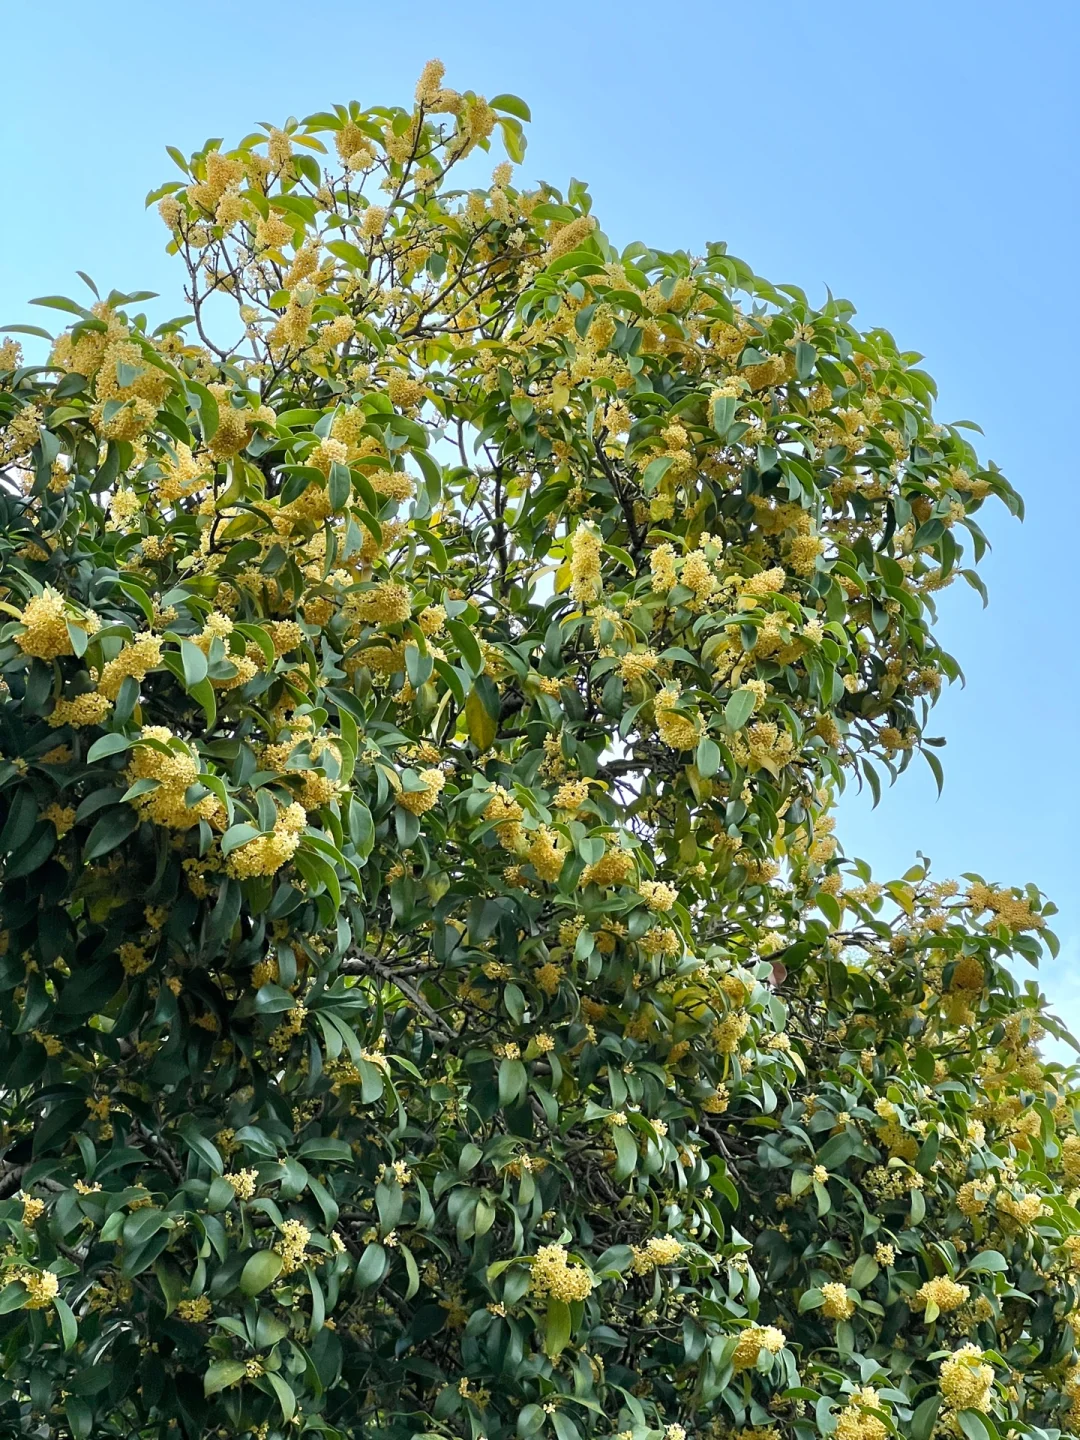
(919, 159)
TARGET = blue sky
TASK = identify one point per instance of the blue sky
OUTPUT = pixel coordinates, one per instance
(919, 159)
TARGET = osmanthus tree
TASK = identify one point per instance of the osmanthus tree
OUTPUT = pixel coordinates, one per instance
(433, 999)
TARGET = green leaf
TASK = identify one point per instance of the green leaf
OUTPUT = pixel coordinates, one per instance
(468, 645)
(107, 745)
(974, 1425)
(68, 1328)
(481, 724)
(655, 472)
(78, 637)
(864, 1271)
(837, 1149)
(80, 1417)
(723, 413)
(361, 828)
(530, 1419)
(557, 1327)
(194, 663)
(513, 138)
(513, 1081)
(21, 819)
(111, 830)
(34, 854)
(708, 757)
(925, 1417)
(339, 487)
(203, 694)
(511, 105)
(935, 767)
(237, 835)
(286, 1398)
(13, 1297)
(371, 1267)
(805, 359)
(260, 1270)
(61, 302)
(626, 1152)
(350, 253)
(222, 1373)
(198, 1144)
(987, 1261)
(389, 1202)
(739, 708)
(34, 330)
(204, 403)
(514, 1003)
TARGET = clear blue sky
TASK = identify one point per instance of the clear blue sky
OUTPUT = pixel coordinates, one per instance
(920, 159)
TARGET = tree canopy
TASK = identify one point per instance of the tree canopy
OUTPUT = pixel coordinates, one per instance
(433, 998)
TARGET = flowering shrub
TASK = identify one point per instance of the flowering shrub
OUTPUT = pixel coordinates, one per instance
(433, 999)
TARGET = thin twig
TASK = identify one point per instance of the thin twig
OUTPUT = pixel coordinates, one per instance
(368, 965)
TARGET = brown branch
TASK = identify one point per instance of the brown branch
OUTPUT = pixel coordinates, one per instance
(368, 965)
(10, 1178)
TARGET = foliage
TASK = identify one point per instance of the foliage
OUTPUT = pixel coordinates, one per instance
(433, 999)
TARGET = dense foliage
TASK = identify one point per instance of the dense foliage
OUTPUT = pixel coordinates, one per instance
(433, 999)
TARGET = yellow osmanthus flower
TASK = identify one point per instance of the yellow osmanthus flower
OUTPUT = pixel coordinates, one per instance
(285, 635)
(548, 977)
(506, 814)
(637, 665)
(244, 1183)
(657, 895)
(676, 729)
(698, 576)
(32, 1210)
(571, 795)
(174, 769)
(387, 604)
(614, 867)
(718, 1102)
(545, 855)
(752, 1341)
(855, 1423)
(61, 816)
(266, 854)
(552, 1273)
(662, 565)
(946, 1294)
(585, 551)
(404, 391)
(46, 619)
(966, 1380)
(837, 1303)
(658, 1250)
(137, 658)
(1022, 1211)
(292, 1246)
(729, 1032)
(419, 802)
(42, 1287)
